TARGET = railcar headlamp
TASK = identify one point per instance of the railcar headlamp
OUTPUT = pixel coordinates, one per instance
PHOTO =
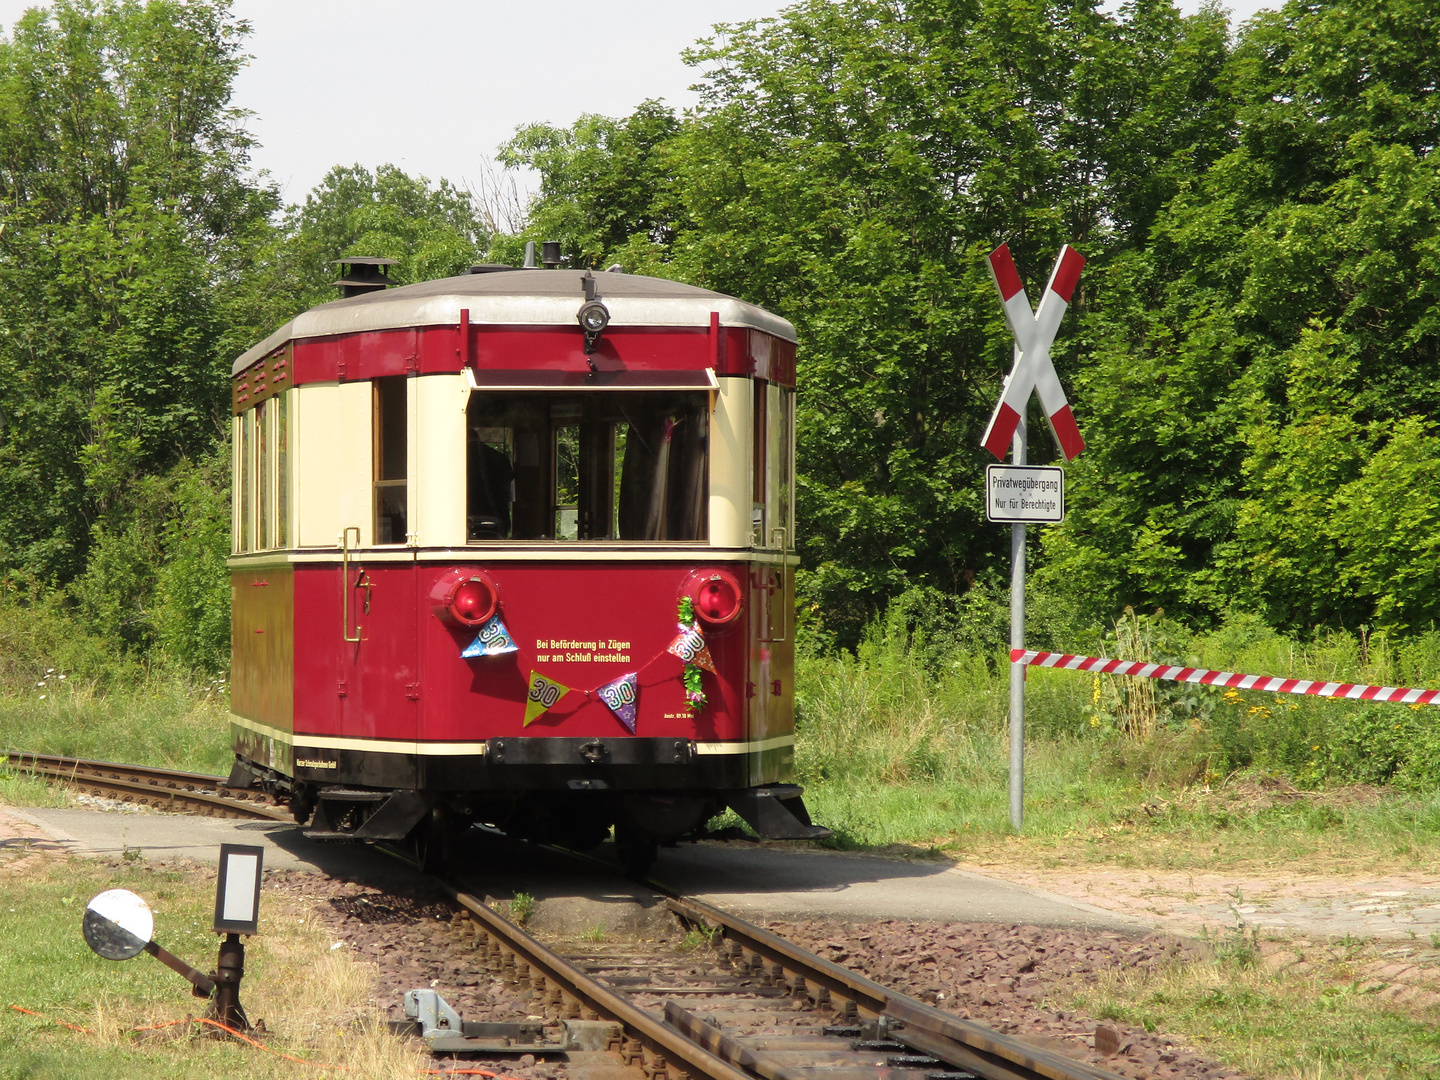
(594, 317)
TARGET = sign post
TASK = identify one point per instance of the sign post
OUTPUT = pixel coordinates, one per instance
(1017, 641)
(119, 926)
(1034, 330)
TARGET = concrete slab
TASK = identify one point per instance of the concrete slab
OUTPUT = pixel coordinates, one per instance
(765, 882)
(165, 837)
(751, 880)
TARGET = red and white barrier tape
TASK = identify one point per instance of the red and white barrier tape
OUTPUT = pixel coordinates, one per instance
(1235, 680)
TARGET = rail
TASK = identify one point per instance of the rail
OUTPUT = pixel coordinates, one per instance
(922, 1027)
(699, 1049)
(681, 1041)
(161, 789)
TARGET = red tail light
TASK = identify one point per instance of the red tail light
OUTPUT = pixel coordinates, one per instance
(716, 596)
(464, 598)
(473, 603)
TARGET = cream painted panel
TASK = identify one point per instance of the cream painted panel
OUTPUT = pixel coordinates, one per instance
(235, 422)
(332, 462)
(730, 465)
(437, 459)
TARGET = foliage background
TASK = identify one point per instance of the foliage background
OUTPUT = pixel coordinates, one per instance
(1253, 350)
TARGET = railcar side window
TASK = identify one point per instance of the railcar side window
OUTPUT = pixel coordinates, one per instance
(282, 471)
(772, 466)
(262, 476)
(597, 466)
(785, 453)
(390, 447)
(247, 472)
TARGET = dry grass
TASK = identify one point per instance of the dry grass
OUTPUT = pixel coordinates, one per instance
(1291, 1009)
(315, 1001)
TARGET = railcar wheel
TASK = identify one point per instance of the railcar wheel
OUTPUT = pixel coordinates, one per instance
(637, 850)
(302, 804)
(434, 840)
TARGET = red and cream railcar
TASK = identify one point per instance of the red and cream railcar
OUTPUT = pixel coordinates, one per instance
(473, 518)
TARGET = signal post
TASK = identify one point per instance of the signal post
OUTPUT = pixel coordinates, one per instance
(1017, 493)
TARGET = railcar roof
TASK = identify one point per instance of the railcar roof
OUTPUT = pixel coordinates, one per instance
(523, 298)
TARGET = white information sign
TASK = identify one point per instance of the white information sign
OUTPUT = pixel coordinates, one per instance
(1021, 493)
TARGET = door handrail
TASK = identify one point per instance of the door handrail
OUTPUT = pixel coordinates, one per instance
(345, 583)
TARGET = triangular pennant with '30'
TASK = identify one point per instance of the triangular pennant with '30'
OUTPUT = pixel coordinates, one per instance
(689, 645)
(620, 697)
(492, 640)
(542, 696)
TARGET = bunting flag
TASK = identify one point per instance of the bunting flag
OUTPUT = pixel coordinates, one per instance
(620, 697)
(543, 695)
(689, 645)
(492, 640)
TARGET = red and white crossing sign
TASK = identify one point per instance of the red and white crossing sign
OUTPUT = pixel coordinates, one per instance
(1034, 331)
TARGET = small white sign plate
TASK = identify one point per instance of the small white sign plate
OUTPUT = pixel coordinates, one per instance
(1021, 493)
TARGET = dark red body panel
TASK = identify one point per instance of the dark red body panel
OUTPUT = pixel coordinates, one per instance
(431, 349)
(583, 624)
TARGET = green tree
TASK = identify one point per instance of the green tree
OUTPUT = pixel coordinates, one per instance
(122, 189)
(848, 167)
(603, 186)
(431, 230)
(1273, 351)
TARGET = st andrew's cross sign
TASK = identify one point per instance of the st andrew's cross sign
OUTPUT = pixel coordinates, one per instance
(1034, 331)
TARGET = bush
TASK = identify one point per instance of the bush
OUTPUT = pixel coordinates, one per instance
(192, 608)
(924, 698)
(155, 582)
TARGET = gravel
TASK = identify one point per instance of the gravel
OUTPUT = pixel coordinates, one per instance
(1007, 977)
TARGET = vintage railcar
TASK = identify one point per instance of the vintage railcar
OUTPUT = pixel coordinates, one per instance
(517, 547)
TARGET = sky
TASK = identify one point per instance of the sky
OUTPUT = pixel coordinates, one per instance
(434, 86)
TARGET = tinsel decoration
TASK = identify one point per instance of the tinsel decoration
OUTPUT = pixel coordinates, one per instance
(694, 687)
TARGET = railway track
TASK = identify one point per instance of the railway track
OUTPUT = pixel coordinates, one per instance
(744, 1004)
(748, 1004)
(160, 789)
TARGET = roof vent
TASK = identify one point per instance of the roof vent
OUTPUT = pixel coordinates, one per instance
(363, 274)
(490, 268)
(550, 254)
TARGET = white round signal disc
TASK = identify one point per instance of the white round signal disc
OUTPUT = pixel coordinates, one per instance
(118, 924)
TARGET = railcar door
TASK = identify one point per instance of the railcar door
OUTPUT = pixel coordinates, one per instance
(378, 682)
(772, 589)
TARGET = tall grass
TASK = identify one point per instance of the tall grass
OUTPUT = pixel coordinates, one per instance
(64, 690)
(907, 736)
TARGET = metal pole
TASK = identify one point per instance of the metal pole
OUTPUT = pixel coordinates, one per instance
(1017, 641)
(228, 973)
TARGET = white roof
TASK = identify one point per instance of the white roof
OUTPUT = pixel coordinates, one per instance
(520, 298)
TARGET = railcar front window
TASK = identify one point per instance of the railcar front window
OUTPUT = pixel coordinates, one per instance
(597, 466)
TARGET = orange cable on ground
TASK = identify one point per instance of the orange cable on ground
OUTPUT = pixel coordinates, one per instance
(62, 1023)
(262, 1046)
